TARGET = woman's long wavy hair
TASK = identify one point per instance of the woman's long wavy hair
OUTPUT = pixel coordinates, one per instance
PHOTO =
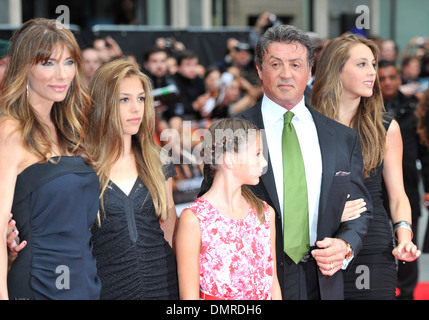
(423, 119)
(105, 134)
(33, 43)
(327, 89)
(214, 148)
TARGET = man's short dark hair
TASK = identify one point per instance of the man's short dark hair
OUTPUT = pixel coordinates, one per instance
(283, 34)
(152, 50)
(185, 55)
(386, 63)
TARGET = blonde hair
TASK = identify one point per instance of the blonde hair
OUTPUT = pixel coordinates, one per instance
(35, 42)
(215, 146)
(368, 120)
(105, 134)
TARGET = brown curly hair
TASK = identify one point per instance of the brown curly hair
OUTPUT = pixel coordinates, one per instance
(422, 124)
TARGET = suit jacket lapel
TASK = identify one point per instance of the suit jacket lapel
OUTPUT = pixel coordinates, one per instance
(328, 152)
(270, 185)
(255, 116)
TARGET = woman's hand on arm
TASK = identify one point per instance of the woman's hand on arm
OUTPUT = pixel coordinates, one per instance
(353, 209)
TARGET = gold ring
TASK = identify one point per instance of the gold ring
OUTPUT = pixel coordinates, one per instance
(332, 266)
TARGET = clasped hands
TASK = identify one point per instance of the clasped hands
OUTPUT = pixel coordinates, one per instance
(331, 251)
(330, 255)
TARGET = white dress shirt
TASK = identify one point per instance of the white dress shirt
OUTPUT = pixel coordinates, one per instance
(305, 128)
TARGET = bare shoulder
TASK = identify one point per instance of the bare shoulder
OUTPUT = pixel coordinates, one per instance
(393, 135)
(188, 230)
(394, 144)
(9, 134)
(188, 217)
(11, 148)
(394, 128)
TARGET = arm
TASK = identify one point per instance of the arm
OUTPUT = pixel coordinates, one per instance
(398, 201)
(353, 231)
(276, 293)
(10, 155)
(187, 253)
(331, 252)
(170, 225)
(113, 49)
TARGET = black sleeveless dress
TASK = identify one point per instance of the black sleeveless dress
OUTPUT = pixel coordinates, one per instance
(373, 273)
(55, 205)
(134, 260)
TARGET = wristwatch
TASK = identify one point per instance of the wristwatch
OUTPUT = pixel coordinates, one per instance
(348, 252)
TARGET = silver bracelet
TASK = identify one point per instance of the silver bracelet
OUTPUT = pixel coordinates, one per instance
(402, 224)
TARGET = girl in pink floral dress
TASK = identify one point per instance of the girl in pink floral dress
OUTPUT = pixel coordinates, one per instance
(226, 238)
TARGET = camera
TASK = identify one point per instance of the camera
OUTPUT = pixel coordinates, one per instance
(273, 21)
(420, 42)
(169, 43)
(272, 18)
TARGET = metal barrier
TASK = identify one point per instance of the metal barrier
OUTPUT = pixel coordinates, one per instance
(208, 44)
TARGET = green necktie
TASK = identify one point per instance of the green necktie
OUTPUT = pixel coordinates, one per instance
(295, 223)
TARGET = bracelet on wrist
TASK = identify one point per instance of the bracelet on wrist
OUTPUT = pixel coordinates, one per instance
(402, 224)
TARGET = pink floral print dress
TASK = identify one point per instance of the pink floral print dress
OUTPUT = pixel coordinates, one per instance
(236, 261)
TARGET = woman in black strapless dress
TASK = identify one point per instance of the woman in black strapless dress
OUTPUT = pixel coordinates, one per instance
(54, 199)
(55, 205)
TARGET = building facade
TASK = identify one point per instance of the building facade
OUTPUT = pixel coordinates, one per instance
(399, 20)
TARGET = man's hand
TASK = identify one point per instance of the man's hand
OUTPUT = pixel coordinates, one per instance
(330, 255)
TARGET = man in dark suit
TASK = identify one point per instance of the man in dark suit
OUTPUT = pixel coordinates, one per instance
(333, 166)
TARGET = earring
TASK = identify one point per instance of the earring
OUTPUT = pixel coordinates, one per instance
(28, 91)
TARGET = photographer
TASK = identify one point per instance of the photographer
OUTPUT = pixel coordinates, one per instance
(265, 21)
(171, 45)
(418, 46)
(108, 49)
